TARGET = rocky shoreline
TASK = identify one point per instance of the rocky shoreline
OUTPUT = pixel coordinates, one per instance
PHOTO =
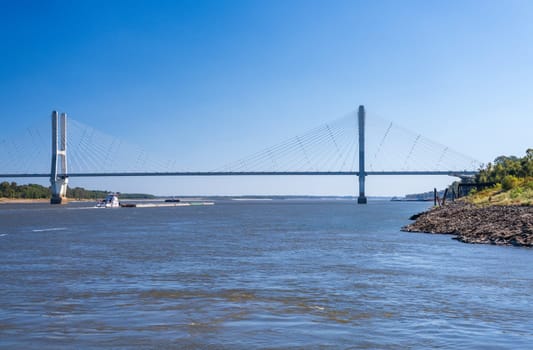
(496, 224)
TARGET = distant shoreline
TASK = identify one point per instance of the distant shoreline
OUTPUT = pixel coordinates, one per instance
(35, 201)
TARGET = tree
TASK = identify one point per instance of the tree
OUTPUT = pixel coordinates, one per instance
(529, 154)
(507, 169)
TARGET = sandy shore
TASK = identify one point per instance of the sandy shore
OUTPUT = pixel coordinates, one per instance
(23, 201)
(497, 224)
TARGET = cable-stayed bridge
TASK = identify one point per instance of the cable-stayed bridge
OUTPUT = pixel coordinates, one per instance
(354, 145)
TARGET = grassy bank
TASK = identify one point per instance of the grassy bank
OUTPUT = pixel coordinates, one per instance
(512, 191)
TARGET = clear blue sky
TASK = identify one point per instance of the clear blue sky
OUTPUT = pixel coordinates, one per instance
(208, 82)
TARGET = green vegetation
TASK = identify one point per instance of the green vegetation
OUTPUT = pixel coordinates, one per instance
(82, 193)
(32, 191)
(512, 178)
(503, 166)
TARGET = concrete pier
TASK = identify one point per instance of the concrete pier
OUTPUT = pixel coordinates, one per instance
(59, 179)
(361, 122)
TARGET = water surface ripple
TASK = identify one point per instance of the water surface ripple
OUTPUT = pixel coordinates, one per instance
(239, 275)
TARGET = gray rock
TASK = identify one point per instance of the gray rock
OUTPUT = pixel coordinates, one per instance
(502, 225)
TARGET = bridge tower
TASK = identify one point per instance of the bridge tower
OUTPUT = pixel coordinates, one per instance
(59, 177)
(361, 121)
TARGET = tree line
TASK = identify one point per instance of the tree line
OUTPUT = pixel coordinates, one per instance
(507, 170)
(33, 191)
(30, 191)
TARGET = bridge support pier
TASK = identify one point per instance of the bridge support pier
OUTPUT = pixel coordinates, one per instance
(362, 174)
(59, 179)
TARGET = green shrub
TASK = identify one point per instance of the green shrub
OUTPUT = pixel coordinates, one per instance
(516, 192)
(509, 182)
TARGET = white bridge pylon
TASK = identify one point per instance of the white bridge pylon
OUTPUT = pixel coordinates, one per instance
(59, 177)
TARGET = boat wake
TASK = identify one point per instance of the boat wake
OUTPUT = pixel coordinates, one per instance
(50, 229)
(82, 208)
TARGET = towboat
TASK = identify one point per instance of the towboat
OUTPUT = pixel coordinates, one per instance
(111, 201)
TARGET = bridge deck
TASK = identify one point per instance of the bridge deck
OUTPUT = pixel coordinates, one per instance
(248, 173)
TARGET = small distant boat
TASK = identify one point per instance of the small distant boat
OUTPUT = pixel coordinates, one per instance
(128, 205)
(172, 200)
(111, 201)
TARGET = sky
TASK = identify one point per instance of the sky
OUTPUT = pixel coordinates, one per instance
(209, 82)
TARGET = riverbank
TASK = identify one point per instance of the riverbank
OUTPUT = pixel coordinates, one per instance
(23, 201)
(495, 224)
(33, 201)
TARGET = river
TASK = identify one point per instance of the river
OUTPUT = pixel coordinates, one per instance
(280, 274)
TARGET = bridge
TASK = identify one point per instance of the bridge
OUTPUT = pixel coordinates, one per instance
(338, 149)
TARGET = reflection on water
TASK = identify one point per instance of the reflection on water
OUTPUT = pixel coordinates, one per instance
(240, 275)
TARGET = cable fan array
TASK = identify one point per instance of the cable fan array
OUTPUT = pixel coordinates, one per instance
(327, 148)
(331, 147)
(92, 151)
(390, 147)
(26, 152)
